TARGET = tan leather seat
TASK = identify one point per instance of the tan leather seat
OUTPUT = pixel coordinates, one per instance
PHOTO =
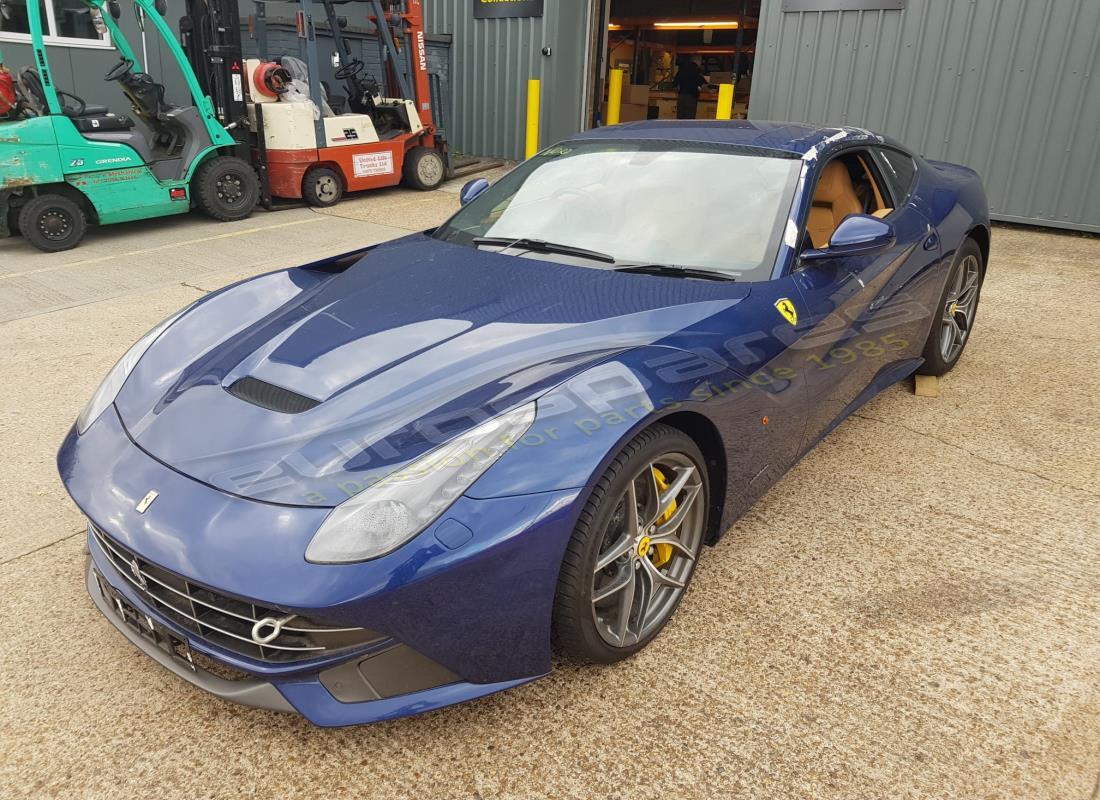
(834, 199)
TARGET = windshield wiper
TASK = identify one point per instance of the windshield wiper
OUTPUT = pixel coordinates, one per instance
(676, 272)
(543, 246)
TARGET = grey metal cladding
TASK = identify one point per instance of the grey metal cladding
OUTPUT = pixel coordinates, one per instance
(1008, 88)
(492, 59)
(841, 5)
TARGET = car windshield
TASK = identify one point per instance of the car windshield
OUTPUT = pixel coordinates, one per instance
(690, 205)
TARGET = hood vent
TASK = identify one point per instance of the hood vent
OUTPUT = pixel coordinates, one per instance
(272, 397)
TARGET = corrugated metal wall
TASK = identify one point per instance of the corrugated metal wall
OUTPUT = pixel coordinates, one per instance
(1008, 87)
(492, 59)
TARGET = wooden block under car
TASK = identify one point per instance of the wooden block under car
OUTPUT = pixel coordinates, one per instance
(926, 386)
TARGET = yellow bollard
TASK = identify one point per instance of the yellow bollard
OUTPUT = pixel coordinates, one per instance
(614, 97)
(532, 145)
(725, 101)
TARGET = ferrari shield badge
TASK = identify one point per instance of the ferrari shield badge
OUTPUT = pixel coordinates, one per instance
(786, 308)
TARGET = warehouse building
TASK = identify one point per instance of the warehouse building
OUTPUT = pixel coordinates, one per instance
(1008, 87)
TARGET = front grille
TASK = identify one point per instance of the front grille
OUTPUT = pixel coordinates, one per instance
(225, 621)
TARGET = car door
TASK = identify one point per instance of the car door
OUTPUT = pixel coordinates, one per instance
(857, 324)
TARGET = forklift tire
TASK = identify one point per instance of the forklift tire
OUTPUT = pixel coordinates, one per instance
(52, 223)
(322, 187)
(424, 169)
(226, 188)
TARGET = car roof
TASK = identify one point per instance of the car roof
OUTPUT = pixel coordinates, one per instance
(790, 138)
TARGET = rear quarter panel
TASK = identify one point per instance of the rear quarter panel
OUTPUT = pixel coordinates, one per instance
(953, 198)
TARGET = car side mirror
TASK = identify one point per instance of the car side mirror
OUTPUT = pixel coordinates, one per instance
(472, 190)
(115, 8)
(857, 234)
(161, 6)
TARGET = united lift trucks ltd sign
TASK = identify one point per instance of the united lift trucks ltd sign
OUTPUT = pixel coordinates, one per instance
(496, 9)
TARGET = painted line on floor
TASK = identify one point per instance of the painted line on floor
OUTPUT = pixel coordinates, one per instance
(158, 248)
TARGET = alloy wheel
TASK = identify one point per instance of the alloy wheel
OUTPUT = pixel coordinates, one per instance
(959, 308)
(648, 550)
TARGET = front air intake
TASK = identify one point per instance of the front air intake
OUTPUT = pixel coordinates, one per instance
(272, 397)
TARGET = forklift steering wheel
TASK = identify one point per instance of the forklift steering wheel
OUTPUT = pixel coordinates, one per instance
(118, 70)
(77, 110)
(349, 70)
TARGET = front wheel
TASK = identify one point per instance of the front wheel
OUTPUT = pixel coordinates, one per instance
(226, 188)
(322, 187)
(52, 223)
(634, 548)
(424, 168)
(956, 312)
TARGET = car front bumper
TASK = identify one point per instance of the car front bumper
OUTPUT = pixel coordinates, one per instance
(305, 693)
(480, 609)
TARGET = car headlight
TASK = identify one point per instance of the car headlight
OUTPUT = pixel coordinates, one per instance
(108, 390)
(384, 516)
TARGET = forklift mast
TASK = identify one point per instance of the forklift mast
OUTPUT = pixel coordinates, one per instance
(210, 33)
(407, 21)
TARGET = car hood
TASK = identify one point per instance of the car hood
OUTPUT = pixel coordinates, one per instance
(347, 375)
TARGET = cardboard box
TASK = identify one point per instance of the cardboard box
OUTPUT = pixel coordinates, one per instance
(707, 109)
(628, 112)
(637, 93)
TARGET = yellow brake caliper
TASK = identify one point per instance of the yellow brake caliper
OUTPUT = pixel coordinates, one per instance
(661, 554)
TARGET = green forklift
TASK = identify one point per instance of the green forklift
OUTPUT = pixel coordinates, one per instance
(66, 163)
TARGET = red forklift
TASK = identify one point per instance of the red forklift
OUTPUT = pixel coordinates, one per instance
(301, 148)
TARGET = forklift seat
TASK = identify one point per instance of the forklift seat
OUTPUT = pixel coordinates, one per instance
(86, 118)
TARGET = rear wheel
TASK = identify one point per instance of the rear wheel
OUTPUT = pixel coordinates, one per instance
(956, 312)
(424, 168)
(226, 188)
(634, 548)
(322, 187)
(52, 223)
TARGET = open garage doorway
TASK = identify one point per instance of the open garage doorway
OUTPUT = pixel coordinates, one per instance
(674, 57)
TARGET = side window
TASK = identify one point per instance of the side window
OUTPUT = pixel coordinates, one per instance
(899, 170)
(846, 185)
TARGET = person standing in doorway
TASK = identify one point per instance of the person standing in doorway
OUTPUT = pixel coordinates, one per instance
(688, 80)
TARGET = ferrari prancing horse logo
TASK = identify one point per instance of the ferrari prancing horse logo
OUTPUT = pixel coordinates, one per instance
(787, 309)
(147, 501)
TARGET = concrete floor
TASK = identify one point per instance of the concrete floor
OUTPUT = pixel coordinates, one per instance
(914, 611)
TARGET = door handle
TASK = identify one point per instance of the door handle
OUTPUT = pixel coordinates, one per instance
(931, 240)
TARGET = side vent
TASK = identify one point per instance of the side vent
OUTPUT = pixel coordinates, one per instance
(272, 397)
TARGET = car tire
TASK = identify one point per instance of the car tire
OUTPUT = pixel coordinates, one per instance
(226, 188)
(53, 222)
(424, 169)
(588, 610)
(954, 317)
(322, 187)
